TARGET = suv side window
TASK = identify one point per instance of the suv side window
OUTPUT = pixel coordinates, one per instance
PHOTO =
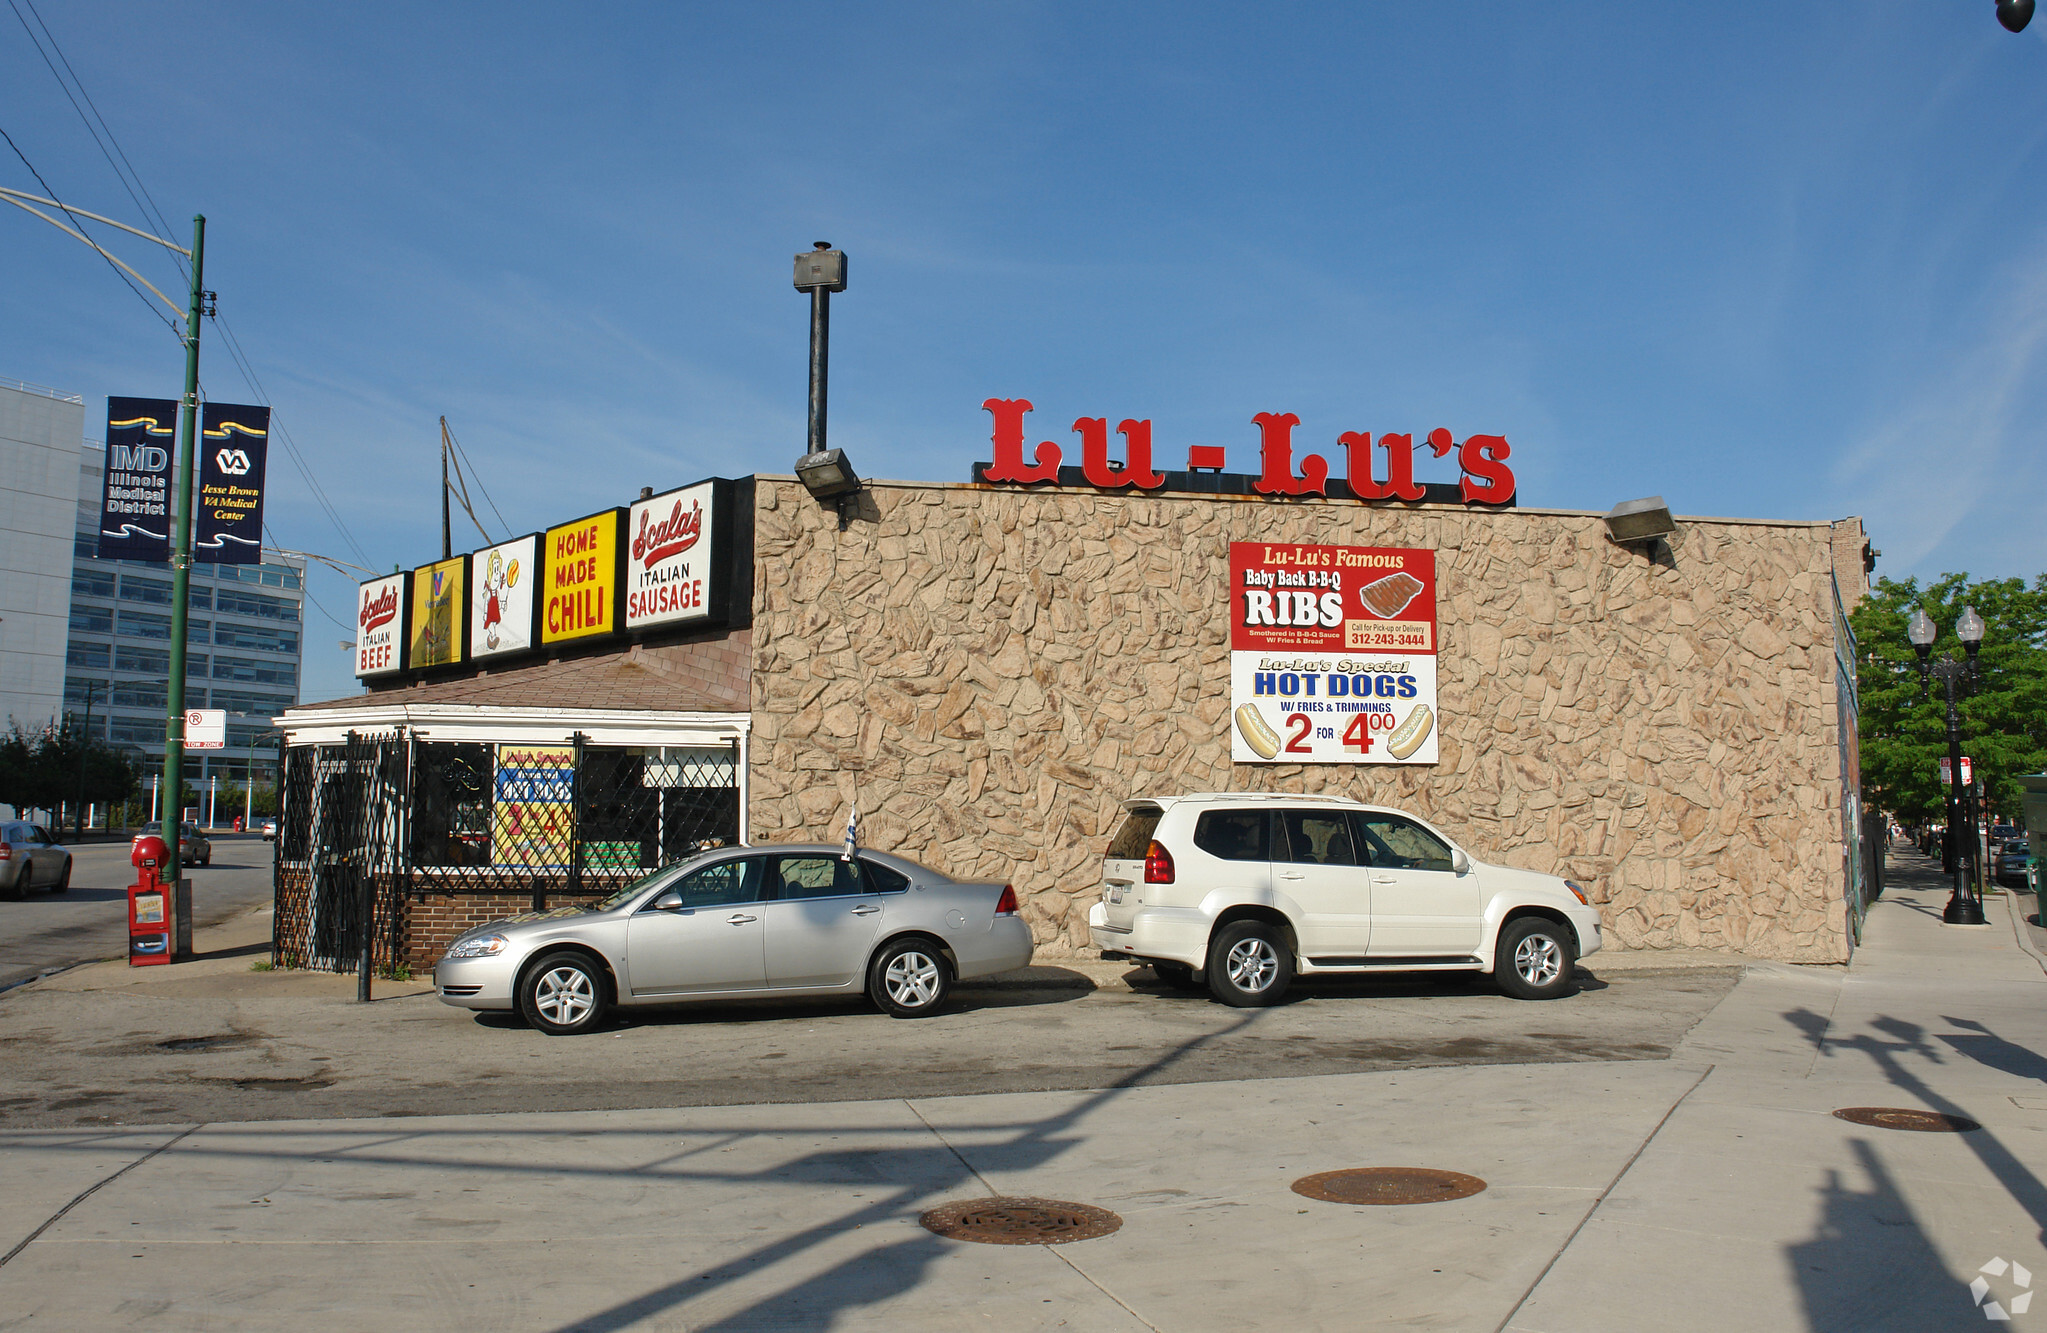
(1394, 843)
(1317, 837)
(1233, 835)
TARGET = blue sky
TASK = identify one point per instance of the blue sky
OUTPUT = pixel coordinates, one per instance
(1764, 260)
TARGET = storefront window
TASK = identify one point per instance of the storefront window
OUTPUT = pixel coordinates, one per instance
(451, 791)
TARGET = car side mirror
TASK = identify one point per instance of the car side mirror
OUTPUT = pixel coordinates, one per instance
(1459, 862)
(668, 900)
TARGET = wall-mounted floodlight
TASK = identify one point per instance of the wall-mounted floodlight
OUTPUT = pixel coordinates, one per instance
(1640, 522)
(827, 475)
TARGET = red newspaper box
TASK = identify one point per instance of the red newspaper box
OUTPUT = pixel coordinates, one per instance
(149, 905)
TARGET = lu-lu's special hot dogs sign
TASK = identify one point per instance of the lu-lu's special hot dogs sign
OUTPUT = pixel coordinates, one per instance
(1332, 654)
(1381, 469)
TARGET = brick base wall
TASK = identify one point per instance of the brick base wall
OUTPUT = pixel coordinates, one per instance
(425, 925)
(435, 920)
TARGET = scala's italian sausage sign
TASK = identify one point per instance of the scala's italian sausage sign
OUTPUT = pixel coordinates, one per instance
(1332, 654)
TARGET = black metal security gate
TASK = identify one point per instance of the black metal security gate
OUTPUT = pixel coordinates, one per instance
(568, 817)
(337, 864)
(378, 820)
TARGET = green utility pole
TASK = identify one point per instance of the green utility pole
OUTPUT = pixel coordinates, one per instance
(181, 560)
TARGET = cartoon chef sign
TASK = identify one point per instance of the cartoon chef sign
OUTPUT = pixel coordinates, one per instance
(501, 610)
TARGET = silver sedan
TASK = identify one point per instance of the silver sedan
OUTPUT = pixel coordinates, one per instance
(744, 922)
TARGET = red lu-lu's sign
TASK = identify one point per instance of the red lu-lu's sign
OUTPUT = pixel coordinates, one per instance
(1486, 477)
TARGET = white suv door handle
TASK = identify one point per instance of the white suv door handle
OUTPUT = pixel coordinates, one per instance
(1292, 875)
(1384, 879)
(865, 909)
(739, 919)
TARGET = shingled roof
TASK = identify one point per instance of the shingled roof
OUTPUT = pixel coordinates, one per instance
(707, 677)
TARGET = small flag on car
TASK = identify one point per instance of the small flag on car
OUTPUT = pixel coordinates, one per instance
(852, 829)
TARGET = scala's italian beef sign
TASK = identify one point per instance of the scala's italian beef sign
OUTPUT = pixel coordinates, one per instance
(1332, 654)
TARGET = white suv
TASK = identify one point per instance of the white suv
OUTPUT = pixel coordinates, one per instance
(1246, 891)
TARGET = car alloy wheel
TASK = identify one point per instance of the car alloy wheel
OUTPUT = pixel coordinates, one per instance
(912, 979)
(1539, 960)
(564, 993)
(1534, 959)
(1251, 965)
(909, 979)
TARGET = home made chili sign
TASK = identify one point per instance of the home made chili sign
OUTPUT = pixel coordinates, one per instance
(1332, 654)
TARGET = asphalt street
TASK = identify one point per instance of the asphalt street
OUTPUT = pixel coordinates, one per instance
(1714, 1189)
(45, 931)
(214, 1040)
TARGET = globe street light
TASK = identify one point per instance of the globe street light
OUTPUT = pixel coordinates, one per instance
(1964, 908)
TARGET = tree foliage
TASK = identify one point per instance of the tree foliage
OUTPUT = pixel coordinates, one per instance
(1904, 724)
(40, 769)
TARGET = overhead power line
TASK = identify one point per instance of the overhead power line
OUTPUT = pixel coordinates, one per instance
(112, 263)
(131, 179)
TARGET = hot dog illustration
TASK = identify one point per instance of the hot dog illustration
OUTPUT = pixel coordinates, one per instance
(1409, 735)
(1257, 732)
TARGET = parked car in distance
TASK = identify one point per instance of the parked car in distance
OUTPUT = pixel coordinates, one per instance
(744, 923)
(31, 859)
(270, 829)
(2012, 859)
(194, 847)
(1243, 892)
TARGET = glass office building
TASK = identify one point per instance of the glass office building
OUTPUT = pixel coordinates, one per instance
(244, 646)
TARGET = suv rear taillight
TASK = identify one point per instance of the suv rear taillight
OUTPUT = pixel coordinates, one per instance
(1006, 904)
(6, 852)
(1158, 864)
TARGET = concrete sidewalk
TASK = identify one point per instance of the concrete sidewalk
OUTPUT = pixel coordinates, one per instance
(1711, 1190)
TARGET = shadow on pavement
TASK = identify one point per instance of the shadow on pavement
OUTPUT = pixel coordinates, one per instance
(1861, 1233)
(1901, 1038)
(894, 1269)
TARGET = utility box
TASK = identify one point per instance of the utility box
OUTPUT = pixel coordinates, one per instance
(821, 269)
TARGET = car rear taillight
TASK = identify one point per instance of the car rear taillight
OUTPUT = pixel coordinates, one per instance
(1158, 864)
(6, 852)
(1006, 904)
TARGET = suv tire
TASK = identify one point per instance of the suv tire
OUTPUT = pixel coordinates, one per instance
(1249, 965)
(1535, 959)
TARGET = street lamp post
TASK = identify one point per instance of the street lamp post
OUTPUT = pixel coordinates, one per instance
(1964, 908)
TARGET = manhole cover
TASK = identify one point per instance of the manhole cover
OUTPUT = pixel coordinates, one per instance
(1020, 1221)
(1895, 1117)
(1388, 1184)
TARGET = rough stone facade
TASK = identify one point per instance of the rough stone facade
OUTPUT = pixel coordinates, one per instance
(991, 672)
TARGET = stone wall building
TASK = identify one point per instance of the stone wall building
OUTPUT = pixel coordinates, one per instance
(988, 672)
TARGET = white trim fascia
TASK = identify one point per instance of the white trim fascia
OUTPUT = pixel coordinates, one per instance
(501, 724)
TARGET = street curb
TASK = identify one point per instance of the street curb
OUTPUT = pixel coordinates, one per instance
(2019, 931)
(49, 972)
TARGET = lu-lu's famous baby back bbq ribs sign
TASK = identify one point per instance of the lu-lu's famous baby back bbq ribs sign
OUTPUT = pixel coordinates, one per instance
(1381, 469)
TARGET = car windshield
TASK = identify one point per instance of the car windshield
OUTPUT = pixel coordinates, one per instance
(626, 894)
